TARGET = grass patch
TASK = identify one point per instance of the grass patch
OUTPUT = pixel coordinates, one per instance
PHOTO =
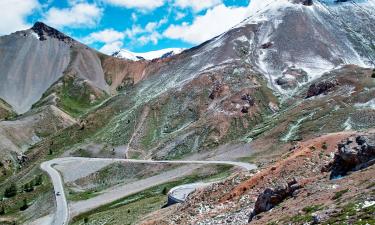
(353, 213)
(311, 209)
(133, 207)
(79, 196)
(339, 194)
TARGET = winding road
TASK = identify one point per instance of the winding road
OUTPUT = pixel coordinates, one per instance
(62, 214)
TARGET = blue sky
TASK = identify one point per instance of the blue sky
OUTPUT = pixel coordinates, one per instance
(136, 25)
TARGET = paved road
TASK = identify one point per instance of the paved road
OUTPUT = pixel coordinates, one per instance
(180, 193)
(62, 214)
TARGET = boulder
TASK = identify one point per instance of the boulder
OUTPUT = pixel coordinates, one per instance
(352, 154)
(271, 197)
(319, 88)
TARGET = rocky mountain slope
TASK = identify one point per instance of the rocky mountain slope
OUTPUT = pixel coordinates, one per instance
(34, 59)
(297, 187)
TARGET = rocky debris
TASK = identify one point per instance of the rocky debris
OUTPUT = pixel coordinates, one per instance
(291, 77)
(249, 102)
(217, 90)
(304, 2)
(273, 107)
(21, 158)
(43, 30)
(321, 88)
(266, 45)
(82, 124)
(353, 154)
(245, 109)
(248, 99)
(272, 197)
(307, 2)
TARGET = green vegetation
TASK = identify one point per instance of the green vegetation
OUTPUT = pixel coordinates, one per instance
(301, 218)
(24, 205)
(79, 196)
(305, 217)
(311, 209)
(325, 146)
(134, 207)
(339, 194)
(353, 213)
(19, 197)
(11, 191)
(75, 100)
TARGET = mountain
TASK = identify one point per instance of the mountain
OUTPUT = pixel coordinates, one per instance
(281, 89)
(289, 36)
(32, 60)
(6, 110)
(159, 54)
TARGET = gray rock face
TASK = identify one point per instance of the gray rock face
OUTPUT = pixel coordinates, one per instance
(353, 154)
(29, 67)
(32, 60)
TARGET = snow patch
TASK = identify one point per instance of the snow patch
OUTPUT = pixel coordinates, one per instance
(125, 54)
(367, 204)
(35, 35)
(348, 124)
(294, 128)
(243, 38)
(370, 104)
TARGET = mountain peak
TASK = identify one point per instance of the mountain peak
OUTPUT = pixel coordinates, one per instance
(45, 31)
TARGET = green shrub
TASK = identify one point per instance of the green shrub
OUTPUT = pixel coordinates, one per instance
(339, 194)
(11, 191)
(311, 209)
(24, 205)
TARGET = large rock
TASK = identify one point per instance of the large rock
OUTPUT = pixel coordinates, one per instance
(323, 87)
(353, 154)
(272, 197)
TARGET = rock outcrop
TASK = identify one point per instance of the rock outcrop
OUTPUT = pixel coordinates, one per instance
(43, 30)
(272, 197)
(353, 154)
(321, 88)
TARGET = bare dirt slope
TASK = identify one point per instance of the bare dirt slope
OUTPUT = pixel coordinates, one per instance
(333, 201)
(18, 135)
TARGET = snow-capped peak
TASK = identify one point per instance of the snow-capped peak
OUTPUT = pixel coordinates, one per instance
(163, 53)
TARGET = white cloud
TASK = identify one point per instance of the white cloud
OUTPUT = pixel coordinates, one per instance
(14, 13)
(134, 31)
(147, 34)
(197, 5)
(110, 48)
(79, 15)
(180, 15)
(152, 37)
(139, 4)
(134, 17)
(104, 36)
(216, 21)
